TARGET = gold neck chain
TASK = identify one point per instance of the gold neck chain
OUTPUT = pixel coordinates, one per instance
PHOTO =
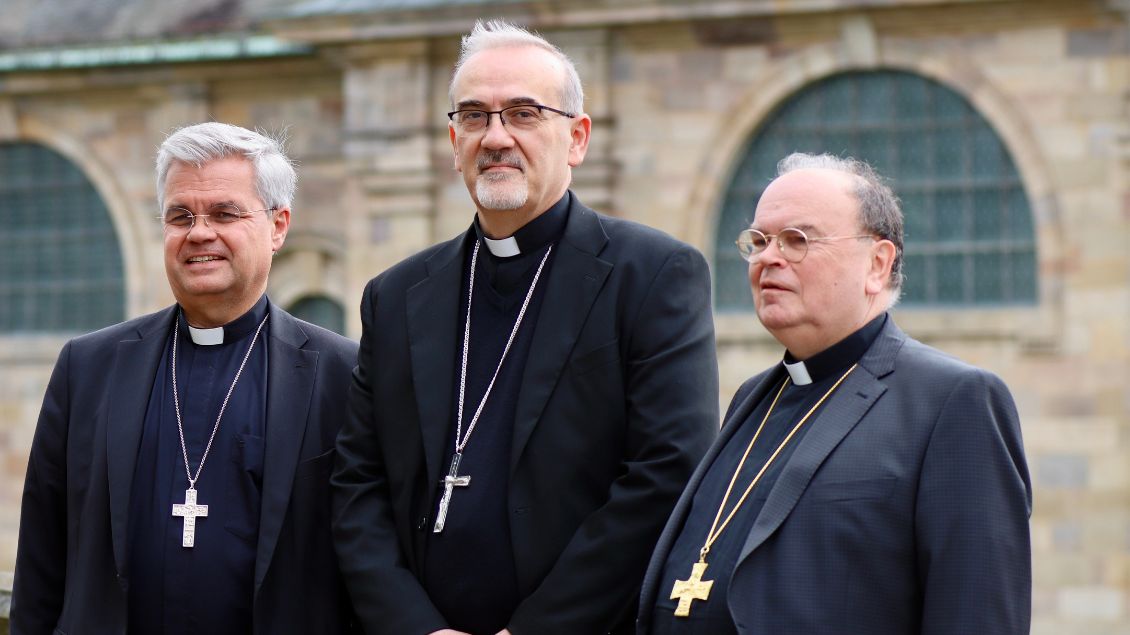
(716, 529)
(695, 588)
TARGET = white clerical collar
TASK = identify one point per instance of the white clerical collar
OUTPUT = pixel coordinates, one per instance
(206, 337)
(503, 248)
(799, 373)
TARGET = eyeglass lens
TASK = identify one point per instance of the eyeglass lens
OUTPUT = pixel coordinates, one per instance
(792, 242)
(515, 116)
(182, 220)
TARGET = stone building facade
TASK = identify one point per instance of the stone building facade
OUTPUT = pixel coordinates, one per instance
(678, 93)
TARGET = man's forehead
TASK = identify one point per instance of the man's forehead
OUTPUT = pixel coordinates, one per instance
(773, 225)
(229, 163)
(807, 199)
(225, 177)
(508, 76)
(519, 100)
(816, 181)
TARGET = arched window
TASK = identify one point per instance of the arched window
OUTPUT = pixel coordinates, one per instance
(60, 262)
(969, 234)
(321, 310)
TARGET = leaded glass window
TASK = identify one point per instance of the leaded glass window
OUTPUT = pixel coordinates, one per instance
(320, 310)
(60, 261)
(969, 234)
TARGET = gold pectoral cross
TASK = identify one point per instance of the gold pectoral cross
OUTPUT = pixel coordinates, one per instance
(695, 588)
(449, 482)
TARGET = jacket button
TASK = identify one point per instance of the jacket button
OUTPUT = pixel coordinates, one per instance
(423, 526)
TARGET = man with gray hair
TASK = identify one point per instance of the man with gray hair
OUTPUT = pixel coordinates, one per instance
(178, 481)
(530, 396)
(867, 483)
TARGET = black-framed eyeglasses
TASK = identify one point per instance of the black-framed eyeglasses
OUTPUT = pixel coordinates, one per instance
(520, 117)
(179, 220)
(792, 242)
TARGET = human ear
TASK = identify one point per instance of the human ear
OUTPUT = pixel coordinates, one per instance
(579, 139)
(882, 258)
(280, 225)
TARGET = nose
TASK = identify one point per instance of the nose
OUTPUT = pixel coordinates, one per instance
(497, 135)
(201, 230)
(771, 255)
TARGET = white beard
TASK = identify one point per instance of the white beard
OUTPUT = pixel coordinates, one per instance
(501, 192)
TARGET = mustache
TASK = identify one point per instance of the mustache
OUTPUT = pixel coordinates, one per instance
(488, 158)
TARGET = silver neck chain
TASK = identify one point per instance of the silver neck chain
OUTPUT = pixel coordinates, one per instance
(461, 439)
(176, 402)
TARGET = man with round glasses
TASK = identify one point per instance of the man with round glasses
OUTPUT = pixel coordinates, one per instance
(866, 484)
(179, 475)
(531, 396)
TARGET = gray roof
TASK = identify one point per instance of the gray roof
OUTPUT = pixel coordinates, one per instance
(44, 23)
(305, 8)
(32, 24)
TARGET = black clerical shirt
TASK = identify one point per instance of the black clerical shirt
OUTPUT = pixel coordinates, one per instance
(713, 616)
(208, 588)
(469, 569)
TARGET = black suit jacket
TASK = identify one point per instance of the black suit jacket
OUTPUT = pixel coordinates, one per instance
(903, 510)
(618, 403)
(71, 561)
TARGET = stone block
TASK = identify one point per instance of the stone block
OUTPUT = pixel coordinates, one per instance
(1025, 78)
(744, 65)
(1094, 106)
(743, 31)
(1086, 436)
(9, 124)
(1099, 42)
(1092, 603)
(1065, 142)
(1037, 45)
(1067, 536)
(1074, 167)
(8, 552)
(1064, 570)
(859, 40)
(1061, 471)
(1043, 535)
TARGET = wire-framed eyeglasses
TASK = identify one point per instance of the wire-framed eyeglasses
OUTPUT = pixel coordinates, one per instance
(520, 117)
(792, 242)
(178, 220)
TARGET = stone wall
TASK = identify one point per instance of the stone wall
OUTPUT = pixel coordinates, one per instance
(674, 100)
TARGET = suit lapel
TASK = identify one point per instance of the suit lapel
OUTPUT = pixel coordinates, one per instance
(290, 383)
(130, 383)
(839, 415)
(575, 279)
(679, 515)
(433, 314)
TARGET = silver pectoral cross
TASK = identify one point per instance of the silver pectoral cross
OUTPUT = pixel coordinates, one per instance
(190, 511)
(449, 482)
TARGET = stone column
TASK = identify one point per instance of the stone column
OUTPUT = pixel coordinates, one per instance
(390, 206)
(593, 181)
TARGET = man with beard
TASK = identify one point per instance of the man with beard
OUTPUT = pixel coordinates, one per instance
(530, 396)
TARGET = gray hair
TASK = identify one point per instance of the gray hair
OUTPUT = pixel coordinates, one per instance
(879, 210)
(275, 178)
(494, 34)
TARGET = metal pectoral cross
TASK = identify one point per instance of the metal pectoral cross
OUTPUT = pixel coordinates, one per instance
(692, 589)
(190, 511)
(449, 482)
